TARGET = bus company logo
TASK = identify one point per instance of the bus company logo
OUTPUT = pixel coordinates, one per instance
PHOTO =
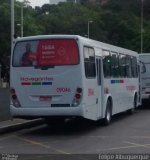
(34, 81)
(90, 92)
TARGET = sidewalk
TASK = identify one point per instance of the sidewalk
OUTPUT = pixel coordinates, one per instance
(6, 124)
(17, 124)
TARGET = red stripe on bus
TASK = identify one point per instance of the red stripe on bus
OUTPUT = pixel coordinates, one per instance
(121, 81)
(25, 83)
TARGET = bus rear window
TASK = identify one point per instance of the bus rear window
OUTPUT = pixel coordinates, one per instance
(49, 52)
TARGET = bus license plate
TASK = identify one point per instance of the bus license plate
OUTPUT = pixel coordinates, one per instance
(45, 98)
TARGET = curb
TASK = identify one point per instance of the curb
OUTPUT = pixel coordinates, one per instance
(19, 126)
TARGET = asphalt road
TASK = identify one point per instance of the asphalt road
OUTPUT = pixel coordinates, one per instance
(127, 134)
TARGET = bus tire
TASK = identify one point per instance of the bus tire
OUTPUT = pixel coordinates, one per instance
(108, 114)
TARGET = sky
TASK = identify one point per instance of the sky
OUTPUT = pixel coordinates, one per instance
(34, 3)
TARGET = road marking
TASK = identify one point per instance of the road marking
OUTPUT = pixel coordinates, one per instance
(124, 147)
(138, 145)
(133, 145)
(42, 145)
(139, 137)
(6, 137)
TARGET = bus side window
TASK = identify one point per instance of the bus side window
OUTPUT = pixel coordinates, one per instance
(89, 62)
(98, 64)
(134, 68)
(115, 64)
(143, 67)
(122, 63)
(128, 66)
(107, 63)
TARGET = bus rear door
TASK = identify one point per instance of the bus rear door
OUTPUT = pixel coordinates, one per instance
(99, 88)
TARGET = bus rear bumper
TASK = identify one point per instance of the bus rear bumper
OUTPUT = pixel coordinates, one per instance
(45, 112)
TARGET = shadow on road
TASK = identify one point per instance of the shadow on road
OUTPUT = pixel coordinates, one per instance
(70, 128)
(74, 127)
(79, 127)
(145, 104)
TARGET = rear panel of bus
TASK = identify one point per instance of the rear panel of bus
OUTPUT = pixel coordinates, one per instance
(145, 75)
(45, 77)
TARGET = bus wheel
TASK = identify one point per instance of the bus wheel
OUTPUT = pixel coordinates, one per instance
(108, 113)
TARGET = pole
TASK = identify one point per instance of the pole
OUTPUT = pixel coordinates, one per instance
(89, 28)
(142, 26)
(12, 22)
(22, 19)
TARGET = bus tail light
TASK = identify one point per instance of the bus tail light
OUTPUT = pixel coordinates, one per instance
(14, 98)
(77, 97)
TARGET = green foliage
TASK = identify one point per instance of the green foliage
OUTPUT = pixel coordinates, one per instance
(114, 21)
(4, 34)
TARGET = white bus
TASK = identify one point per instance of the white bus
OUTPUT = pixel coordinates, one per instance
(145, 75)
(72, 76)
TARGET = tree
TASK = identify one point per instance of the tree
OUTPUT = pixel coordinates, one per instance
(4, 34)
(114, 21)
